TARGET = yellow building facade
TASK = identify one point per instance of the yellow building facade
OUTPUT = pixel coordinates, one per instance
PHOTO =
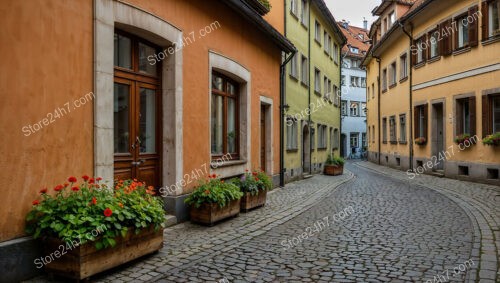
(433, 88)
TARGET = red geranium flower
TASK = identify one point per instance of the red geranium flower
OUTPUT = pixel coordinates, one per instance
(75, 189)
(36, 202)
(58, 188)
(43, 191)
(72, 179)
(85, 178)
(108, 212)
(94, 200)
(91, 181)
(214, 175)
(98, 179)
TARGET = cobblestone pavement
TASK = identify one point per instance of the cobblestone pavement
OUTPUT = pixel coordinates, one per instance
(380, 229)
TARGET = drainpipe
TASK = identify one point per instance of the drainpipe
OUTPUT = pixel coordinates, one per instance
(309, 81)
(378, 109)
(282, 111)
(410, 82)
(341, 144)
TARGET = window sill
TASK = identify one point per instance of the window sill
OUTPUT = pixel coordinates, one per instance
(393, 85)
(461, 50)
(490, 40)
(419, 65)
(322, 149)
(303, 25)
(403, 142)
(384, 90)
(294, 15)
(384, 142)
(326, 53)
(317, 41)
(293, 78)
(434, 59)
(292, 150)
(393, 142)
(317, 93)
(403, 79)
(227, 163)
(304, 84)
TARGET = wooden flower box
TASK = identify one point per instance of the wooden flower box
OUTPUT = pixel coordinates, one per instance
(249, 201)
(210, 213)
(80, 262)
(334, 170)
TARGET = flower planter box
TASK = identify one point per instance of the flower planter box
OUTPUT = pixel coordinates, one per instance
(249, 201)
(334, 170)
(210, 213)
(80, 262)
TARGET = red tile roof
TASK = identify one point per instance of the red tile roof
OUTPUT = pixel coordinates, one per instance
(353, 35)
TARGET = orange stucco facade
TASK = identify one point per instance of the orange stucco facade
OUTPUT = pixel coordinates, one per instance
(49, 48)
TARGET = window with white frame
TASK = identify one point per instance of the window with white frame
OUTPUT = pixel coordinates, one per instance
(317, 80)
(322, 136)
(392, 19)
(354, 139)
(363, 82)
(342, 80)
(304, 70)
(325, 86)
(317, 32)
(363, 109)
(392, 129)
(344, 108)
(294, 6)
(384, 79)
(373, 90)
(335, 53)
(402, 128)
(336, 139)
(392, 74)
(354, 109)
(293, 67)
(304, 12)
(493, 19)
(496, 113)
(384, 130)
(434, 38)
(403, 66)
(326, 44)
(463, 32)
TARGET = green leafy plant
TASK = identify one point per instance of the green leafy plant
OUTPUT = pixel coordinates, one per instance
(334, 160)
(461, 139)
(493, 139)
(93, 212)
(265, 3)
(253, 182)
(214, 190)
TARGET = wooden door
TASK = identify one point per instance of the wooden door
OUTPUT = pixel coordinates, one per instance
(263, 138)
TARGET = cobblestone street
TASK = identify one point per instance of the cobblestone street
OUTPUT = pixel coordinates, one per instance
(399, 230)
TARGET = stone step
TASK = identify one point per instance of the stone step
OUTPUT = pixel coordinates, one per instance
(307, 176)
(437, 173)
(170, 220)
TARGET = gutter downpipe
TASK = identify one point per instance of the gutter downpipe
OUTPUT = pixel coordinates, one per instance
(309, 83)
(410, 81)
(282, 112)
(378, 109)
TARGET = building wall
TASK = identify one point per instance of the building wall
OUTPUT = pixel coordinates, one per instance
(472, 72)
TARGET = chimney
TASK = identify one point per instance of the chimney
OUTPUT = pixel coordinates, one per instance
(365, 23)
(345, 24)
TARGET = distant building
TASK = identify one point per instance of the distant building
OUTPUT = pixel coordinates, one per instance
(353, 105)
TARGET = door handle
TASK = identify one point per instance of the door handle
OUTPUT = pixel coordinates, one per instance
(137, 163)
(136, 142)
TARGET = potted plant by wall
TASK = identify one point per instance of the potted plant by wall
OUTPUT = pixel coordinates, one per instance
(214, 200)
(334, 165)
(87, 228)
(465, 140)
(420, 141)
(254, 185)
(493, 139)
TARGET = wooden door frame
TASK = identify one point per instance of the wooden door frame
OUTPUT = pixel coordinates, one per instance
(267, 103)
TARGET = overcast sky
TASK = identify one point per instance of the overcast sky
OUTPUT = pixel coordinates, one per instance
(353, 11)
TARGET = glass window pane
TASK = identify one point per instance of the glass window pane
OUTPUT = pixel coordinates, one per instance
(231, 125)
(121, 117)
(496, 114)
(217, 83)
(216, 124)
(231, 88)
(123, 52)
(147, 121)
(145, 65)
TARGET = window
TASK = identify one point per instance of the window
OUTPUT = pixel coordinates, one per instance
(420, 121)
(355, 64)
(354, 140)
(373, 90)
(384, 26)
(392, 19)
(373, 134)
(384, 80)
(322, 136)
(434, 44)
(392, 74)
(392, 129)
(368, 94)
(363, 139)
(291, 134)
(313, 138)
(355, 81)
(304, 69)
(326, 44)
(293, 6)
(344, 108)
(363, 82)
(419, 51)
(403, 66)
(224, 116)
(466, 116)
(304, 12)
(335, 139)
(317, 32)
(491, 114)
(491, 21)
(335, 95)
(342, 80)
(363, 109)
(354, 50)
(330, 51)
(333, 91)
(462, 38)
(317, 80)
(335, 53)
(384, 130)
(368, 133)
(402, 128)
(293, 67)
(354, 109)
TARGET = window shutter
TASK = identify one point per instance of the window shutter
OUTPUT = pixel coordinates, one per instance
(428, 45)
(473, 38)
(425, 51)
(416, 122)
(447, 39)
(414, 53)
(485, 20)
(426, 116)
(472, 110)
(486, 114)
(459, 119)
